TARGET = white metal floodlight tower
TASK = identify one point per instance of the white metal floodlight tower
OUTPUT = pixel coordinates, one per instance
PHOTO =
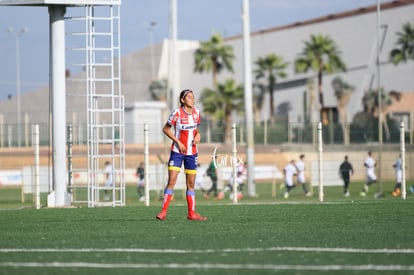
(105, 104)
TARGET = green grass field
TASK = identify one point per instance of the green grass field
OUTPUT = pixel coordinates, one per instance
(264, 235)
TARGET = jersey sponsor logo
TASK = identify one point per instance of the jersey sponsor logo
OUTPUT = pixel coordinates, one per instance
(188, 127)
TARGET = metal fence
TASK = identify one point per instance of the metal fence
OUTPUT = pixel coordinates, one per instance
(280, 132)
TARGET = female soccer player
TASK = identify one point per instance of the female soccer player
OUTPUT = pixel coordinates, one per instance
(185, 121)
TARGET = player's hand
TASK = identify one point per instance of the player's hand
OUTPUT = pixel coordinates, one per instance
(182, 148)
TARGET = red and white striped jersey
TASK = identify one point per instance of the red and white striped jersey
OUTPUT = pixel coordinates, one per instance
(185, 126)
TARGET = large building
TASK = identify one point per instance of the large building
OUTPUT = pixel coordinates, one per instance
(354, 32)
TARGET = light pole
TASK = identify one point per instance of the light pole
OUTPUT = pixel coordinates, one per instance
(17, 36)
(151, 26)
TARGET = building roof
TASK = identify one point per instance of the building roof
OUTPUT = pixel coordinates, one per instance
(331, 17)
(58, 2)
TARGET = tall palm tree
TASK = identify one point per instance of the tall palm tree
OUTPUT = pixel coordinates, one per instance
(158, 89)
(343, 92)
(213, 55)
(405, 45)
(259, 90)
(371, 105)
(271, 67)
(221, 103)
(320, 55)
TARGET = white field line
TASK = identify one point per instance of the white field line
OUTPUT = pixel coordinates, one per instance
(210, 266)
(227, 250)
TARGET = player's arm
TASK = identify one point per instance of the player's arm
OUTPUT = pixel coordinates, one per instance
(197, 138)
(170, 135)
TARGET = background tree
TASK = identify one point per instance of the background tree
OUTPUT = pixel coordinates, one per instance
(371, 109)
(221, 104)
(259, 90)
(271, 67)
(343, 92)
(214, 56)
(320, 55)
(158, 89)
(405, 45)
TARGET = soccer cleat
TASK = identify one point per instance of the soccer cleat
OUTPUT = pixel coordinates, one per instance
(346, 194)
(286, 195)
(366, 188)
(196, 217)
(220, 196)
(162, 216)
(308, 194)
(206, 196)
(363, 194)
(396, 192)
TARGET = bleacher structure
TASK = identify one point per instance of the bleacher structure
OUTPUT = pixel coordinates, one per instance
(93, 51)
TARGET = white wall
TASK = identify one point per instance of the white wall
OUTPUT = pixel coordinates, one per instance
(355, 37)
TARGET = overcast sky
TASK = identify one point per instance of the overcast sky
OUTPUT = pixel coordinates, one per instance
(197, 20)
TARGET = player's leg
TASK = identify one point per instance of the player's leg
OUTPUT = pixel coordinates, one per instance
(190, 165)
(397, 188)
(174, 167)
(346, 185)
(288, 187)
(215, 188)
(108, 185)
(305, 188)
(368, 182)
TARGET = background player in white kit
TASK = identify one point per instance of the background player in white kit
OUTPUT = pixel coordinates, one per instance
(199, 180)
(300, 166)
(369, 164)
(108, 179)
(289, 171)
(398, 177)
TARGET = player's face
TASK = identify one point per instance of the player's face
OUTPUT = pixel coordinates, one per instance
(189, 100)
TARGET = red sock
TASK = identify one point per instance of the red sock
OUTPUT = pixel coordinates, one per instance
(168, 194)
(190, 202)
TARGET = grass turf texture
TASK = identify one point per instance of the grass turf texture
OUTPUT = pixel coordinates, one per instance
(263, 235)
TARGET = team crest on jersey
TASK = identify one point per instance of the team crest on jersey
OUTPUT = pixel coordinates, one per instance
(195, 116)
(171, 163)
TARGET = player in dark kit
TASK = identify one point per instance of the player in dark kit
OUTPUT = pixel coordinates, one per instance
(345, 172)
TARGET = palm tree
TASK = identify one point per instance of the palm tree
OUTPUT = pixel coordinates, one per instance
(405, 45)
(343, 93)
(221, 104)
(158, 89)
(371, 105)
(320, 54)
(213, 55)
(270, 67)
(259, 91)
